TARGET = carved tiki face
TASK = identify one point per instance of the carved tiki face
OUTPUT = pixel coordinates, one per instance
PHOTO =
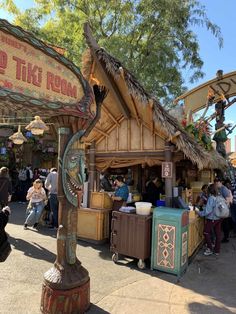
(73, 174)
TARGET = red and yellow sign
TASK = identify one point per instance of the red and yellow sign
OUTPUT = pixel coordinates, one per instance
(29, 71)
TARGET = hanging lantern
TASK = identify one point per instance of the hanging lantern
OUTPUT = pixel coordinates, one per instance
(37, 126)
(18, 138)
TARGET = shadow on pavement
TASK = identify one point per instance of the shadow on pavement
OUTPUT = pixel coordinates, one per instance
(17, 213)
(196, 308)
(104, 249)
(18, 218)
(94, 309)
(217, 273)
(32, 250)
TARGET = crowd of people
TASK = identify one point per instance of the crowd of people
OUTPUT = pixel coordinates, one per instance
(38, 187)
(214, 224)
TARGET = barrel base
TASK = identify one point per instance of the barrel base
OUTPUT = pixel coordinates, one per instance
(70, 301)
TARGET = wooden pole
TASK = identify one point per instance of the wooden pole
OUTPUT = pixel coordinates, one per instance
(67, 280)
(92, 170)
(168, 181)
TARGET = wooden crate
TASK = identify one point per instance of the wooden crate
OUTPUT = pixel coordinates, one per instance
(100, 200)
(195, 234)
(93, 224)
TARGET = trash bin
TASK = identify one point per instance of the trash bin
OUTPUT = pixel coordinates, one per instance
(170, 240)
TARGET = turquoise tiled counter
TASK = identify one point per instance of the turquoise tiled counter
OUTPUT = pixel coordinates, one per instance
(170, 240)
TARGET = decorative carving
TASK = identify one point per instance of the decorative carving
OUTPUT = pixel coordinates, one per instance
(220, 136)
(65, 301)
(166, 245)
(73, 165)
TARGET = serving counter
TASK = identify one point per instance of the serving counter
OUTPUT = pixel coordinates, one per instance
(195, 232)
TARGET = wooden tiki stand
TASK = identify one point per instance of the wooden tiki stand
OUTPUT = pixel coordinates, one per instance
(67, 284)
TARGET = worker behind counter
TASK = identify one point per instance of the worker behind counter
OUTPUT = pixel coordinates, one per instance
(105, 183)
(122, 191)
(154, 188)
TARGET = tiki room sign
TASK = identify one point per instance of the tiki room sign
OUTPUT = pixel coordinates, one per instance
(196, 98)
(43, 77)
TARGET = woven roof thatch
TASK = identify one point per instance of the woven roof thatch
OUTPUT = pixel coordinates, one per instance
(163, 120)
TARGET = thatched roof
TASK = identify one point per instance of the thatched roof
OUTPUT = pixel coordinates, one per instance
(163, 121)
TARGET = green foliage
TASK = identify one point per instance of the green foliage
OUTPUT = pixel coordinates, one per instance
(153, 39)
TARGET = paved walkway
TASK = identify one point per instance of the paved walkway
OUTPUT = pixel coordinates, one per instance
(208, 286)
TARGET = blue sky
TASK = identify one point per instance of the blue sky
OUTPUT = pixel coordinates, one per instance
(221, 12)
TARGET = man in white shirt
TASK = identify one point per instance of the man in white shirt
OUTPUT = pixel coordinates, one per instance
(51, 186)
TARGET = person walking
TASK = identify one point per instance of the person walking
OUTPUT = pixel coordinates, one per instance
(22, 185)
(29, 176)
(212, 222)
(5, 187)
(51, 185)
(36, 196)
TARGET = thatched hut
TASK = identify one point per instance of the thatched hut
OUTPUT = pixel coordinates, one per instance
(133, 128)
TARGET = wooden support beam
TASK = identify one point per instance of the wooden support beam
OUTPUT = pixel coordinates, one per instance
(141, 136)
(100, 131)
(127, 154)
(135, 111)
(110, 129)
(109, 114)
(174, 136)
(54, 131)
(92, 72)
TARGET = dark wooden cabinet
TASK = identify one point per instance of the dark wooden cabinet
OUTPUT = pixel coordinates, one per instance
(131, 236)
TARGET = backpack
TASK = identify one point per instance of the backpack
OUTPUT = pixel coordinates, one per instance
(31, 174)
(22, 175)
(221, 208)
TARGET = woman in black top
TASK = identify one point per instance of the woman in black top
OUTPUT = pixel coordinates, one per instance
(5, 187)
(154, 189)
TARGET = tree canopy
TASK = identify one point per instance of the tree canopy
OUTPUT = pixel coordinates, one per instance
(153, 39)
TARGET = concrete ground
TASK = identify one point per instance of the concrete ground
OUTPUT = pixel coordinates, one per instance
(208, 286)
